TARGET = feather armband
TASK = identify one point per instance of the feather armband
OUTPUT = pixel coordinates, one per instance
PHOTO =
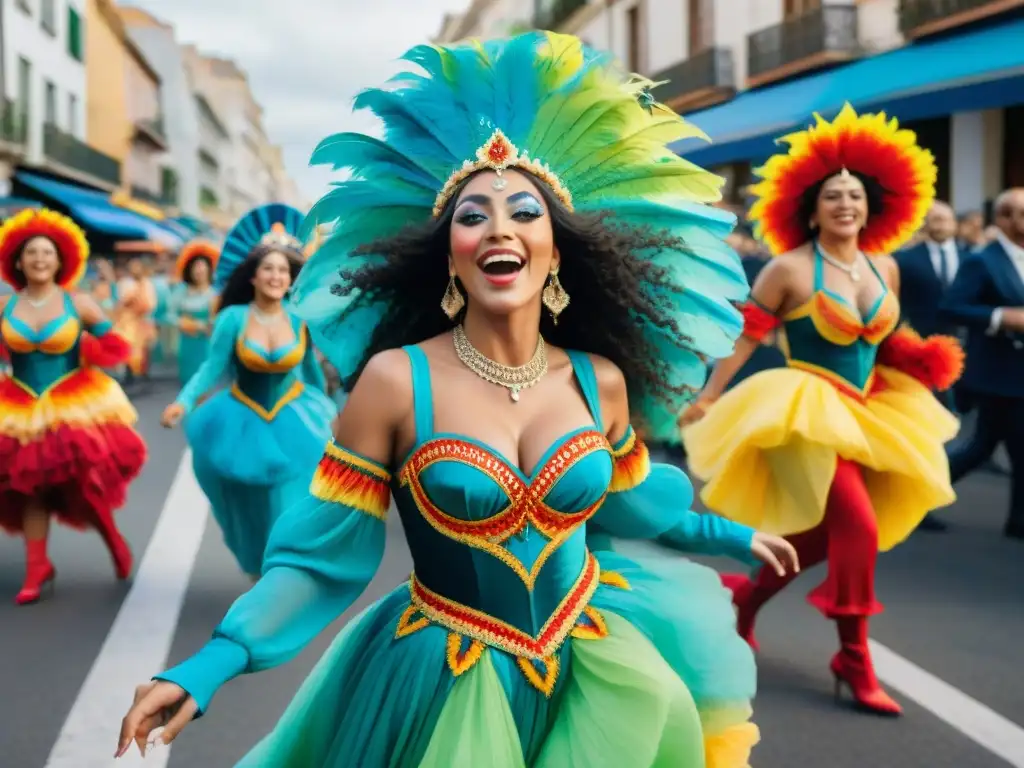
(758, 322)
(104, 350)
(936, 362)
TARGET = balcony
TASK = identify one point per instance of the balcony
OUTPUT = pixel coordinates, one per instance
(13, 124)
(552, 14)
(151, 131)
(815, 39)
(920, 18)
(74, 154)
(704, 79)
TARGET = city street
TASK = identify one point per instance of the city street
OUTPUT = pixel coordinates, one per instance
(949, 644)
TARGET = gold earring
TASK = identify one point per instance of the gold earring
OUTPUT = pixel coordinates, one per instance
(554, 296)
(452, 301)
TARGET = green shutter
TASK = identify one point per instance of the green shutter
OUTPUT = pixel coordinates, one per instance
(75, 34)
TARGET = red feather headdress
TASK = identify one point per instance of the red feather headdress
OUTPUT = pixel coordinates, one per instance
(65, 234)
(871, 145)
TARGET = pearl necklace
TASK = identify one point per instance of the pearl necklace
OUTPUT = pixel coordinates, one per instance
(264, 319)
(851, 269)
(39, 303)
(512, 378)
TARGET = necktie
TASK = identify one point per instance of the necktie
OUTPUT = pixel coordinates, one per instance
(943, 266)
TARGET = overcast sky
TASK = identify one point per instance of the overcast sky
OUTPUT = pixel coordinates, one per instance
(306, 59)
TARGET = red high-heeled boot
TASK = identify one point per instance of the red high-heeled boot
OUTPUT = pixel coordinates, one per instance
(120, 553)
(743, 596)
(852, 667)
(39, 572)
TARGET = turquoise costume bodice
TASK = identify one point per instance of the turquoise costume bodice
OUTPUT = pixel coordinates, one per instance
(40, 358)
(827, 336)
(197, 306)
(486, 534)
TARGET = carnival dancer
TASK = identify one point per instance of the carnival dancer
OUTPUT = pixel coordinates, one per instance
(137, 300)
(842, 450)
(67, 447)
(192, 305)
(255, 444)
(500, 423)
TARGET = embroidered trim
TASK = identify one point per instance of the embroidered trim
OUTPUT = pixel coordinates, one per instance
(294, 391)
(461, 658)
(543, 681)
(499, 634)
(410, 622)
(615, 579)
(590, 626)
(632, 464)
(343, 477)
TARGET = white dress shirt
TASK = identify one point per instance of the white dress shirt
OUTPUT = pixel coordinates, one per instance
(1016, 254)
(947, 252)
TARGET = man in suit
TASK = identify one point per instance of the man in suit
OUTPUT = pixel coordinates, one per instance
(987, 297)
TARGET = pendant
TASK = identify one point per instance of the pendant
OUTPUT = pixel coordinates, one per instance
(855, 275)
(514, 394)
(499, 184)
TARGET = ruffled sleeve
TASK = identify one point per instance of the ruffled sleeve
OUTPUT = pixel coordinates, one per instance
(652, 501)
(321, 555)
(219, 362)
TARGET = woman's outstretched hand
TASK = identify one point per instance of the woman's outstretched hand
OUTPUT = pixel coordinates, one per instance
(695, 412)
(776, 552)
(156, 704)
(172, 415)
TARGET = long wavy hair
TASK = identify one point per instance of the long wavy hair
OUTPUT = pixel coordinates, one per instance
(614, 291)
(239, 288)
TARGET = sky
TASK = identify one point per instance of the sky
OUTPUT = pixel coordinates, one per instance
(307, 59)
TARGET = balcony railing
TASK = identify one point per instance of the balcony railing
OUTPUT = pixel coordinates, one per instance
(699, 80)
(13, 123)
(67, 150)
(925, 17)
(152, 130)
(551, 14)
(819, 37)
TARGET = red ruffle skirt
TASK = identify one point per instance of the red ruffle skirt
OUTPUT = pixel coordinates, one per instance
(72, 447)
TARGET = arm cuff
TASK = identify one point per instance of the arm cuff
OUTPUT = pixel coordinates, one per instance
(219, 661)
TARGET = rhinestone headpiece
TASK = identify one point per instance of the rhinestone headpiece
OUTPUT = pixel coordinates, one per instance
(278, 236)
(498, 154)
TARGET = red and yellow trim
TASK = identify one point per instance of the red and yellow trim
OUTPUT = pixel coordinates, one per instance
(758, 322)
(844, 387)
(937, 362)
(840, 325)
(60, 341)
(631, 463)
(871, 145)
(196, 249)
(345, 478)
(62, 231)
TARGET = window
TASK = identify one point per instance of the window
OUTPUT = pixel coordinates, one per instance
(700, 20)
(72, 114)
(794, 8)
(633, 32)
(24, 90)
(75, 46)
(50, 105)
(48, 16)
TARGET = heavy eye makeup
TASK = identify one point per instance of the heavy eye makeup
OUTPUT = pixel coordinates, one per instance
(523, 207)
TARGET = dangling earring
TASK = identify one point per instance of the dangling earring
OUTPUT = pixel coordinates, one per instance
(452, 301)
(554, 296)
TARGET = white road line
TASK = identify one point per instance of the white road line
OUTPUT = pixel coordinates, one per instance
(140, 637)
(972, 718)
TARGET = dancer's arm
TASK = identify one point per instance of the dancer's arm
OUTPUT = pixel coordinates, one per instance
(100, 346)
(219, 360)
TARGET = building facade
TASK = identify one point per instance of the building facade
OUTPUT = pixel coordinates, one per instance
(43, 110)
(487, 19)
(211, 148)
(748, 71)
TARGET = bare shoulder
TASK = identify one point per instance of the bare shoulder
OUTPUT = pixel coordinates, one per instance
(887, 265)
(86, 307)
(387, 375)
(612, 391)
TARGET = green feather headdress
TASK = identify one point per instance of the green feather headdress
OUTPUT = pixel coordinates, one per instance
(546, 103)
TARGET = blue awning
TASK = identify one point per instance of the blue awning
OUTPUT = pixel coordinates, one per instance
(94, 211)
(979, 69)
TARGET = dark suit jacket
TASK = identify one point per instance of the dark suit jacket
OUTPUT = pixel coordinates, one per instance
(921, 290)
(986, 281)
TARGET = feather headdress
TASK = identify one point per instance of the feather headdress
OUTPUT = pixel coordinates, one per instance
(547, 104)
(275, 222)
(41, 222)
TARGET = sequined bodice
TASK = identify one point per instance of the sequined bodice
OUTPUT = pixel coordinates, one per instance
(493, 538)
(40, 358)
(828, 336)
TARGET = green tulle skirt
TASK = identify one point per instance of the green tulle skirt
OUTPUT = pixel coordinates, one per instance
(668, 684)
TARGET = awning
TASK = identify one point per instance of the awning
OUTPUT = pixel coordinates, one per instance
(94, 211)
(979, 69)
(10, 206)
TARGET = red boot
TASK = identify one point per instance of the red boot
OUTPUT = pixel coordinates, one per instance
(743, 597)
(39, 572)
(120, 553)
(852, 667)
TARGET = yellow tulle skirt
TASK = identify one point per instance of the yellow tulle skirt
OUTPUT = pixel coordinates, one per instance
(767, 450)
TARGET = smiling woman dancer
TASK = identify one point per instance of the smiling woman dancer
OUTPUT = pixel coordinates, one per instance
(843, 449)
(501, 428)
(255, 444)
(67, 447)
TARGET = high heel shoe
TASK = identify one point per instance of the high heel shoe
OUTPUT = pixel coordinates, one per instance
(742, 589)
(852, 668)
(39, 573)
(120, 552)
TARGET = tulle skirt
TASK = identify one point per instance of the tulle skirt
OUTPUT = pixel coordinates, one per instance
(72, 448)
(251, 468)
(192, 351)
(666, 684)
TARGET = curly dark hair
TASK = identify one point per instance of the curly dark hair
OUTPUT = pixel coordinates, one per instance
(18, 273)
(874, 192)
(186, 273)
(239, 288)
(615, 291)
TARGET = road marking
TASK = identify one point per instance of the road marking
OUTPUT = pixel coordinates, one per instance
(140, 637)
(972, 718)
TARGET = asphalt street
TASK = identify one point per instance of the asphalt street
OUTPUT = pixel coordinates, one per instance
(954, 612)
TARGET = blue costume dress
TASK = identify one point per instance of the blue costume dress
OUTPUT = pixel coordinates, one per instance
(512, 644)
(255, 445)
(193, 344)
